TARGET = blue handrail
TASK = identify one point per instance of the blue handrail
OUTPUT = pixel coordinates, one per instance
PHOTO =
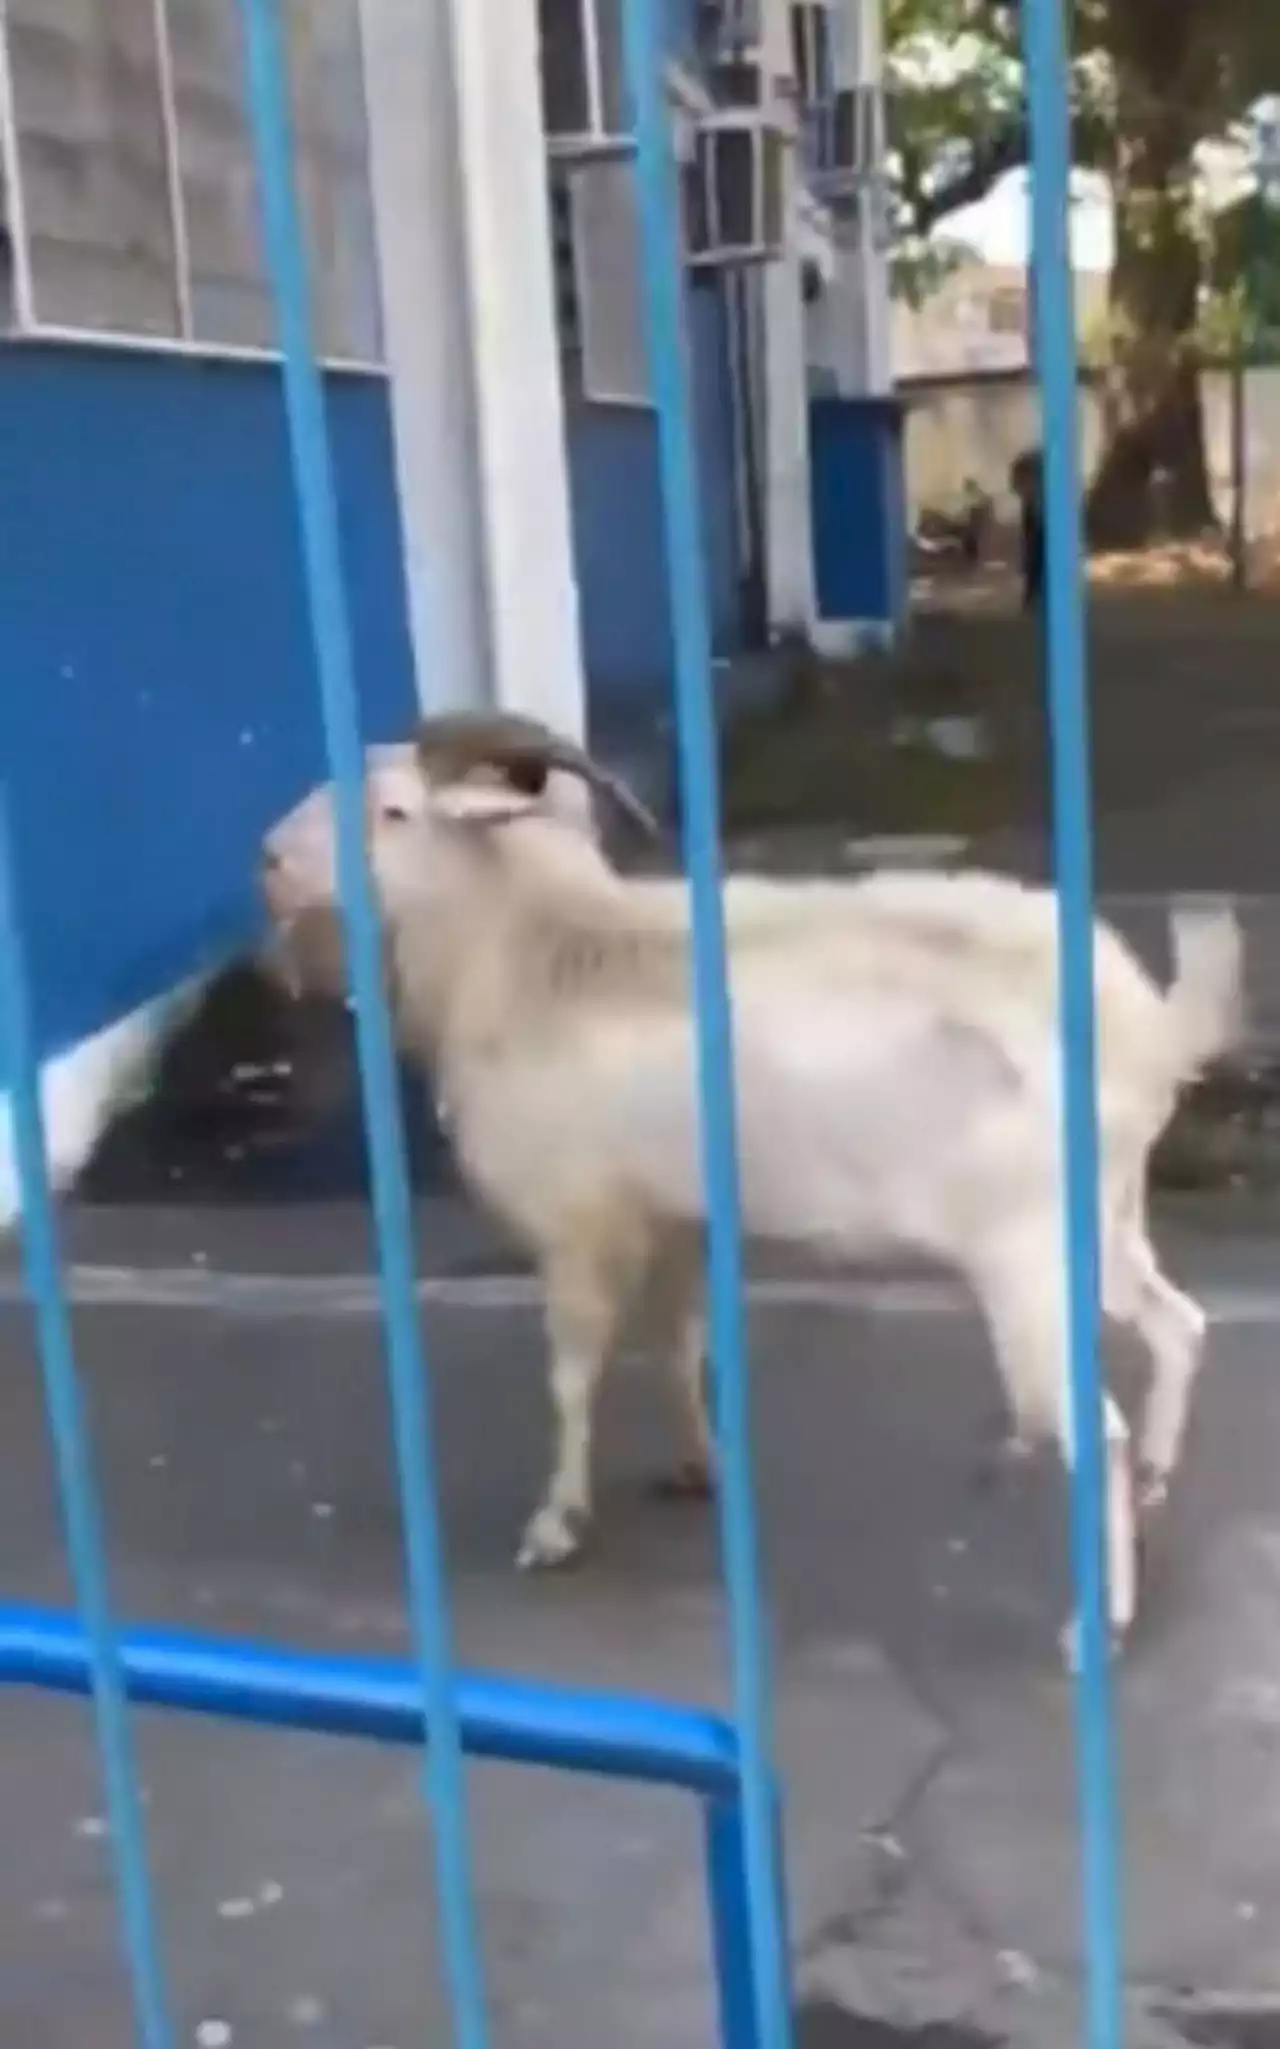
(519, 1721)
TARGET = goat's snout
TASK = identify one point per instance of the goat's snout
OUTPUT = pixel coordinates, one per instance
(273, 876)
(283, 882)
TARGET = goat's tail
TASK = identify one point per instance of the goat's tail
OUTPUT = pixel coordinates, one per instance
(1206, 999)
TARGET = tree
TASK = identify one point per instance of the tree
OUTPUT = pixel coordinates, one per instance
(1152, 80)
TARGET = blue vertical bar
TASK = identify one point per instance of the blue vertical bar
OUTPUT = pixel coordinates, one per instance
(82, 1516)
(1045, 52)
(331, 633)
(662, 251)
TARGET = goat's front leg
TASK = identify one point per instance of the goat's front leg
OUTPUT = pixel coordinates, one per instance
(586, 1292)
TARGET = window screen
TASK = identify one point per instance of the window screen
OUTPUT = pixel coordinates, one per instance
(111, 144)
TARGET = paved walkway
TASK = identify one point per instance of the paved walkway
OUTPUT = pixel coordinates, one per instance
(925, 1726)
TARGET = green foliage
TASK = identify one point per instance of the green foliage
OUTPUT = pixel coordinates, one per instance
(919, 267)
(958, 117)
(1242, 298)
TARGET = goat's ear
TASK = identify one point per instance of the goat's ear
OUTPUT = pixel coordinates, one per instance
(476, 803)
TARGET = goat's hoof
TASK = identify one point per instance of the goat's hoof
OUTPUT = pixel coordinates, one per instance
(1151, 1486)
(692, 1480)
(553, 1539)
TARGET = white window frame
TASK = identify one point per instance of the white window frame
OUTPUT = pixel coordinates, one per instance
(27, 327)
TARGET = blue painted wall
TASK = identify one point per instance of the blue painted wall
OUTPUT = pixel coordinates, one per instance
(859, 508)
(157, 705)
(157, 701)
(618, 538)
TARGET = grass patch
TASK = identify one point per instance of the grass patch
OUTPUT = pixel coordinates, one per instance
(906, 742)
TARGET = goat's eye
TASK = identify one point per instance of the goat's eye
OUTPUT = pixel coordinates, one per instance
(528, 777)
(395, 814)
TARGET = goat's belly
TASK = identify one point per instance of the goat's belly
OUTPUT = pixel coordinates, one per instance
(858, 1128)
(867, 1133)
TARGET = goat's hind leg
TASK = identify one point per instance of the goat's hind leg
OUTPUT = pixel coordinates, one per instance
(1172, 1327)
(677, 1323)
(1021, 1297)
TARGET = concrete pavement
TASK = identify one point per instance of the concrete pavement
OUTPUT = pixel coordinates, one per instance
(925, 1727)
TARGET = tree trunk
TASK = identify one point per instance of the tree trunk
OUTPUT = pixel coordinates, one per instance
(1153, 476)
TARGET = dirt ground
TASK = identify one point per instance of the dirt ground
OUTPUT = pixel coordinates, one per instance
(942, 747)
(948, 733)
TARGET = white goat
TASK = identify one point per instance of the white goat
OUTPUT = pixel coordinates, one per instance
(898, 1078)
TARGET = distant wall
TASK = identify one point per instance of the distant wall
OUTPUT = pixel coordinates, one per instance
(975, 426)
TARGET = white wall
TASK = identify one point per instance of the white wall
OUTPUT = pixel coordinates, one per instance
(83, 1090)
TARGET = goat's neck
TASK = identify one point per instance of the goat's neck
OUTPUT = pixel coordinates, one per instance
(468, 986)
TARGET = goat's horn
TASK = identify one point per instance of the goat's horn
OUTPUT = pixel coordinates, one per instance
(453, 743)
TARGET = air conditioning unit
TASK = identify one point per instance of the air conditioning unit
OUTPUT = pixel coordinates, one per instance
(738, 80)
(734, 190)
(740, 85)
(584, 98)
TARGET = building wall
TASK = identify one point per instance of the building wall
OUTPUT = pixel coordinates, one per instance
(613, 457)
(978, 321)
(973, 427)
(159, 707)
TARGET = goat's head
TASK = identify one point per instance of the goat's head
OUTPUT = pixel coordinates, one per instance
(432, 808)
(491, 769)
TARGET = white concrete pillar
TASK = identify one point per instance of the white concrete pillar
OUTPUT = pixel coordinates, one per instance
(464, 243)
(527, 523)
(418, 214)
(873, 240)
(788, 522)
(861, 338)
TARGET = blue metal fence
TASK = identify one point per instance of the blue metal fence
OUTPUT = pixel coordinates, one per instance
(1045, 57)
(426, 1703)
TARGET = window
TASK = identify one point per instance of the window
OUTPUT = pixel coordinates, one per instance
(606, 270)
(564, 266)
(131, 193)
(811, 54)
(596, 258)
